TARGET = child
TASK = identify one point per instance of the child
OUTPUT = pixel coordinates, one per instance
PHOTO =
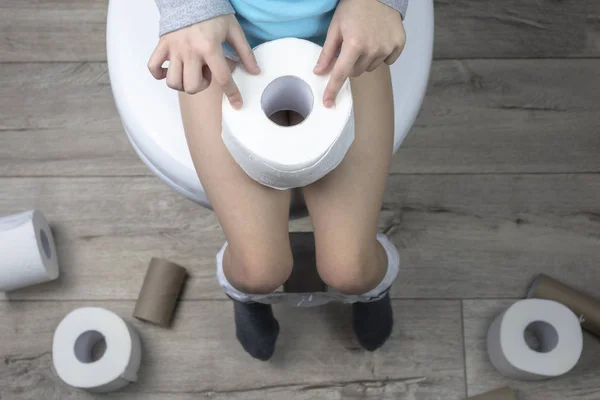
(203, 39)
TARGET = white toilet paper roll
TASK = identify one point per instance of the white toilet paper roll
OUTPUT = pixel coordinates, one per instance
(74, 339)
(27, 252)
(285, 157)
(553, 326)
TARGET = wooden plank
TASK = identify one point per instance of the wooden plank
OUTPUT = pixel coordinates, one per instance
(488, 235)
(497, 197)
(316, 353)
(60, 119)
(462, 256)
(460, 236)
(581, 383)
(506, 116)
(500, 116)
(516, 28)
(37, 30)
(53, 30)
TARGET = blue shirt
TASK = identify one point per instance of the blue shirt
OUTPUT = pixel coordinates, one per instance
(264, 20)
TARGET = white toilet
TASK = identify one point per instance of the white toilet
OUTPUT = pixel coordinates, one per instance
(150, 110)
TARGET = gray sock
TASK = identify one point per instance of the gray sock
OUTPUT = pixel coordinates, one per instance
(256, 328)
(373, 322)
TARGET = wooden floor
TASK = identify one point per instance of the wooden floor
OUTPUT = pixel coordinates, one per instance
(499, 181)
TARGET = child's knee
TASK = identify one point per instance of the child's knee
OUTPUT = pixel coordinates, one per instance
(350, 270)
(257, 270)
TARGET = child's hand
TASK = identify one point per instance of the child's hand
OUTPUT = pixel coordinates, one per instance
(196, 57)
(369, 32)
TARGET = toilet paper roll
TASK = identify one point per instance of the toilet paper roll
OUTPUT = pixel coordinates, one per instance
(584, 306)
(285, 157)
(556, 330)
(159, 293)
(74, 339)
(499, 394)
(27, 252)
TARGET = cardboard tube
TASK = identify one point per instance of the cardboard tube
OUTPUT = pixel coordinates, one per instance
(584, 306)
(499, 394)
(159, 293)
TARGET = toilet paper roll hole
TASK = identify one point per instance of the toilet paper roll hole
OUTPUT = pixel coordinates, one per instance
(45, 244)
(287, 93)
(90, 346)
(540, 336)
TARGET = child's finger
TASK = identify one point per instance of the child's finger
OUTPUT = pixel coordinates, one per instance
(237, 39)
(375, 64)
(175, 75)
(192, 75)
(159, 56)
(206, 76)
(361, 65)
(341, 71)
(394, 56)
(221, 73)
(330, 48)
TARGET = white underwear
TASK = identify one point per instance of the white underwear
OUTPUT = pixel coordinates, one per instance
(312, 299)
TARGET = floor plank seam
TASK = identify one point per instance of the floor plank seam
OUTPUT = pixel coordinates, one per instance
(301, 386)
(464, 346)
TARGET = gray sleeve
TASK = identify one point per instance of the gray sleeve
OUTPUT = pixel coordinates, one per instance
(177, 14)
(399, 5)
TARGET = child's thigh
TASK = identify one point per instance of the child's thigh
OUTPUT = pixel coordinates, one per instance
(345, 204)
(253, 216)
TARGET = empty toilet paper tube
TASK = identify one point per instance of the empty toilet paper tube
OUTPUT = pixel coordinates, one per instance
(499, 394)
(285, 157)
(556, 330)
(160, 290)
(27, 252)
(73, 344)
(584, 306)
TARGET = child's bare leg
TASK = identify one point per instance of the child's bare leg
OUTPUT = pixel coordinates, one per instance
(254, 217)
(258, 258)
(344, 206)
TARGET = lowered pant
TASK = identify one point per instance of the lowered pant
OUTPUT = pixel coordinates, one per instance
(320, 297)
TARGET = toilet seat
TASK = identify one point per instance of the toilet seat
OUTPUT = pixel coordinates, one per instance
(150, 112)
